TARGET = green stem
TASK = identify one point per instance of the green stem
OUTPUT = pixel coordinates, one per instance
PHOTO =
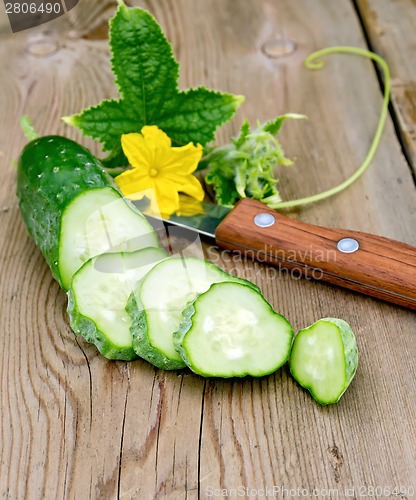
(312, 62)
(27, 127)
(115, 171)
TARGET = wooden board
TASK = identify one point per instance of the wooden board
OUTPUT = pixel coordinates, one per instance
(390, 27)
(74, 425)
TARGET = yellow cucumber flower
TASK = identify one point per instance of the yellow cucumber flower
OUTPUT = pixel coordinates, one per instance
(161, 168)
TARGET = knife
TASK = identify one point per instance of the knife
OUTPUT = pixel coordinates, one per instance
(372, 265)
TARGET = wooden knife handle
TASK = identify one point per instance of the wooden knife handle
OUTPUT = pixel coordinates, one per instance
(380, 267)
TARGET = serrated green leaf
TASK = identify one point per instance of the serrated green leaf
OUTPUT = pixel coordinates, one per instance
(197, 113)
(147, 78)
(143, 63)
(106, 122)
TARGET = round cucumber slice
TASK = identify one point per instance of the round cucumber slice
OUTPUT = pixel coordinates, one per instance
(98, 295)
(232, 331)
(157, 303)
(100, 221)
(324, 359)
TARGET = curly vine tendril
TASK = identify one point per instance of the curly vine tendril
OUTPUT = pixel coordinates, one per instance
(314, 62)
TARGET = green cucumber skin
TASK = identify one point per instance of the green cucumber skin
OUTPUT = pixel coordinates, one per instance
(350, 355)
(141, 341)
(186, 325)
(51, 172)
(350, 348)
(85, 327)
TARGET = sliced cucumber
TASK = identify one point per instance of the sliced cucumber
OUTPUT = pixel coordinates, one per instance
(72, 208)
(156, 306)
(100, 221)
(324, 359)
(98, 295)
(232, 331)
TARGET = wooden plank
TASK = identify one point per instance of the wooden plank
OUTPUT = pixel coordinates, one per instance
(391, 30)
(276, 442)
(74, 425)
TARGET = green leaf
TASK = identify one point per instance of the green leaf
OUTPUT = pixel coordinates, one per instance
(113, 162)
(107, 122)
(244, 131)
(224, 186)
(197, 113)
(245, 167)
(147, 78)
(273, 126)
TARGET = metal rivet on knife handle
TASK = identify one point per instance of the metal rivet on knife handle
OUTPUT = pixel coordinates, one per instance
(264, 220)
(348, 245)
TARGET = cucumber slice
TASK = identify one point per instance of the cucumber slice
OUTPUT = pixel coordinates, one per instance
(232, 331)
(98, 295)
(324, 359)
(67, 201)
(157, 303)
(100, 221)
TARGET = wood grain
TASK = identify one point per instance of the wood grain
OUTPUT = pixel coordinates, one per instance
(74, 425)
(390, 27)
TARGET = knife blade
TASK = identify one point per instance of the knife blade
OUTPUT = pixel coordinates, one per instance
(365, 263)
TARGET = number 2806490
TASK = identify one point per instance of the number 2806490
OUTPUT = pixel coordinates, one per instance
(33, 8)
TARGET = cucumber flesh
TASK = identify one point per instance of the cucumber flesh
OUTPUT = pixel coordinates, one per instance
(100, 221)
(156, 306)
(98, 295)
(232, 331)
(52, 171)
(324, 359)
(61, 186)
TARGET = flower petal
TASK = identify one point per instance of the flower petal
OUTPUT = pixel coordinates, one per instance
(137, 151)
(159, 166)
(183, 160)
(133, 182)
(187, 184)
(167, 196)
(155, 137)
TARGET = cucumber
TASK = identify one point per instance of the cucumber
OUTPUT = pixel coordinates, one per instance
(73, 209)
(324, 359)
(98, 295)
(157, 303)
(232, 331)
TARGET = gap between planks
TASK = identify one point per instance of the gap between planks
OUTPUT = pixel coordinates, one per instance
(392, 108)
